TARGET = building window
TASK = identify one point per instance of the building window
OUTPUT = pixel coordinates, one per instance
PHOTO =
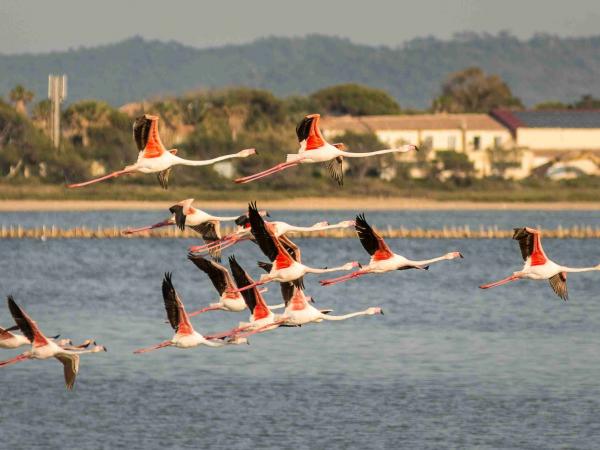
(497, 142)
(476, 142)
(451, 142)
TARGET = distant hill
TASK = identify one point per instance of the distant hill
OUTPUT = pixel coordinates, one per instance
(541, 68)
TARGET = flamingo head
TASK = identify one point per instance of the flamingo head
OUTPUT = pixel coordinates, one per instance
(246, 152)
(237, 340)
(374, 310)
(99, 348)
(454, 255)
(64, 342)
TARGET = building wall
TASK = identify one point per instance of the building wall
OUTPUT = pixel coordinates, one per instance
(558, 138)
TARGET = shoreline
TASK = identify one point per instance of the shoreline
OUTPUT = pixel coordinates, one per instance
(298, 204)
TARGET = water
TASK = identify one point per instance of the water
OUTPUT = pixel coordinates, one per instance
(447, 366)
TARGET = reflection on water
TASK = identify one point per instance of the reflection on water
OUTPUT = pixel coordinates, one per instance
(448, 365)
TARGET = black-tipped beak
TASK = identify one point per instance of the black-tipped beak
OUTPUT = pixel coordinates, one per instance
(267, 214)
(461, 255)
(105, 349)
(416, 148)
(382, 312)
(55, 337)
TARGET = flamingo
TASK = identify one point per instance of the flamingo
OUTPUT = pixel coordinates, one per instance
(185, 335)
(44, 348)
(284, 255)
(154, 157)
(221, 279)
(183, 214)
(10, 340)
(241, 233)
(382, 258)
(538, 266)
(279, 229)
(261, 317)
(315, 149)
(300, 312)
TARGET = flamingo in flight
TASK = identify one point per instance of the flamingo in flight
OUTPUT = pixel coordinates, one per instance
(183, 214)
(538, 266)
(9, 340)
(315, 149)
(261, 317)
(185, 335)
(382, 258)
(299, 311)
(279, 229)
(229, 300)
(44, 348)
(154, 157)
(284, 255)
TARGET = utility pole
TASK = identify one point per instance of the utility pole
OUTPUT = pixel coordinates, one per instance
(57, 92)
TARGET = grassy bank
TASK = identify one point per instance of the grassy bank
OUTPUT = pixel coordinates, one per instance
(136, 192)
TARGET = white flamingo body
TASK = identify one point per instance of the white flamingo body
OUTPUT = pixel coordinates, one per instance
(13, 341)
(315, 149)
(538, 266)
(43, 347)
(382, 258)
(153, 157)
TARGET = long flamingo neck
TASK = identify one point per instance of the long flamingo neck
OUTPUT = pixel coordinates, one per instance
(345, 316)
(579, 269)
(378, 152)
(205, 162)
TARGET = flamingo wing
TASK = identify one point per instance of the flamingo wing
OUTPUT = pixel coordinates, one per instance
(335, 167)
(252, 297)
(218, 274)
(264, 236)
(163, 178)
(210, 232)
(5, 334)
(179, 216)
(70, 364)
(559, 285)
(530, 244)
(308, 132)
(26, 324)
(371, 241)
(176, 314)
(147, 139)
(292, 249)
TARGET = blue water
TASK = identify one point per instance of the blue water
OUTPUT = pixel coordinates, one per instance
(447, 366)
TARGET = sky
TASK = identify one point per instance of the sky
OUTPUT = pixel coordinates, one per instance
(48, 25)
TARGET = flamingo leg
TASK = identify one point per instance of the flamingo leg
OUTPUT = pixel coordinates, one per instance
(250, 286)
(105, 177)
(16, 359)
(154, 347)
(203, 310)
(221, 244)
(149, 227)
(346, 277)
(265, 173)
(227, 333)
(262, 329)
(498, 283)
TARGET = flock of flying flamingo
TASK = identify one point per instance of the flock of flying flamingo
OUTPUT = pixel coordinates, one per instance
(237, 290)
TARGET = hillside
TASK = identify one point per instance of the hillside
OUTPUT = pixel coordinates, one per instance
(541, 68)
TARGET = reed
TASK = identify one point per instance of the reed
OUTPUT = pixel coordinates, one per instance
(454, 232)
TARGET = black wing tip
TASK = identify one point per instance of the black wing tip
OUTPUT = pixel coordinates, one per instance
(167, 280)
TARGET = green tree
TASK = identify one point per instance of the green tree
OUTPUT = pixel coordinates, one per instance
(20, 97)
(355, 100)
(550, 105)
(587, 101)
(472, 91)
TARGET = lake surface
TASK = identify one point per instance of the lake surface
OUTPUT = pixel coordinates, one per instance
(447, 366)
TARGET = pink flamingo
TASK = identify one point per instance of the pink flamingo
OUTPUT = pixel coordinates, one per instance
(154, 157)
(382, 258)
(315, 149)
(538, 266)
(44, 348)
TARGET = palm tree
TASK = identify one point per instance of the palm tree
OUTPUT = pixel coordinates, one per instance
(20, 96)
